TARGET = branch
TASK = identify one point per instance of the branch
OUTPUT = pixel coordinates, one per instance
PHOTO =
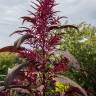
(56, 26)
(18, 42)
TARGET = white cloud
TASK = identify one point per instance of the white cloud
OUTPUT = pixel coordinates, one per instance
(12, 10)
(79, 10)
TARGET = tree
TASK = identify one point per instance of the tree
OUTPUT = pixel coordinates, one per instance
(40, 73)
(83, 46)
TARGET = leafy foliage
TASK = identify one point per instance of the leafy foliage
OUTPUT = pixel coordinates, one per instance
(7, 60)
(83, 46)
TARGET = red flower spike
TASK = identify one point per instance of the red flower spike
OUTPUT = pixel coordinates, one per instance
(43, 20)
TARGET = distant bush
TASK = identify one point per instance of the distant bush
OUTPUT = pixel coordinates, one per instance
(82, 45)
(7, 60)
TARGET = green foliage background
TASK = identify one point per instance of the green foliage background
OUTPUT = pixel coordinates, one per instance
(82, 45)
(7, 60)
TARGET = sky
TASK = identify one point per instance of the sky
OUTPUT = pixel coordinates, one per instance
(11, 10)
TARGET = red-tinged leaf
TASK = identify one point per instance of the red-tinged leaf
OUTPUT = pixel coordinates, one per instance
(26, 29)
(54, 26)
(18, 42)
(3, 93)
(21, 31)
(60, 68)
(11, 49)
(23, 52)
(31, 55)
(54, 40)
(62, 65)
(18, 32)
(29, 19)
